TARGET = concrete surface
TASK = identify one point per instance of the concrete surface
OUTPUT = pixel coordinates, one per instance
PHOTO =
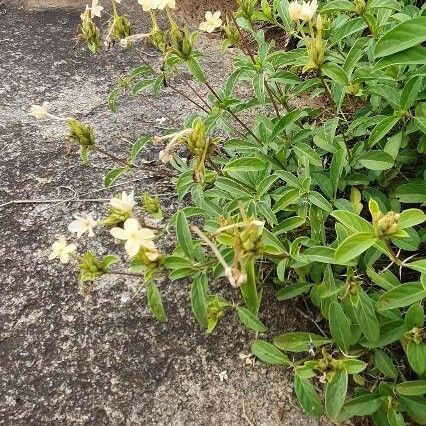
(66, 361)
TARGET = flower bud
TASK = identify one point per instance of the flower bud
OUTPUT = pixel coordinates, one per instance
(360, 6)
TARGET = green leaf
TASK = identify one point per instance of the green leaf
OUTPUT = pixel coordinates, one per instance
(400, 296)
(335, 393)
(289, 197)
(137, 147)
(196, 70)
(411, 193)
(347, 29)
(335, 73)
(184, 235)
(385, 365)
(415, 316)
(364, 405)
(268, 353)
(142, 85)
(412, 388)
(198, 300)
(381, 130)
(411, 217)
(389, 332)
(303, 150)
(286, 120)
(318, 200)
(414, 55)
(307, 396)
(405, 35)
(353, 366)
(250, 320)
(292, 290)
(353, 246)
(155, 302)
(338, 5)
(366, 317)
(416, 355)
(352, 221)
(246, 164)
(299, 341)
(113, 175)
(418, 265)
(410, 92)
(416, 407)
(336, 168)
(340, 326)
(376, 160)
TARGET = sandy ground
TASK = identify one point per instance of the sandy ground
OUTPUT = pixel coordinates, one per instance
(65, 361)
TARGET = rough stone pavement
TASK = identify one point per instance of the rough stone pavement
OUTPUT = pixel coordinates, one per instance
(66, 361)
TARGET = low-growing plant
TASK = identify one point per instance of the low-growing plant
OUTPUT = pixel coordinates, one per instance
(316, 174)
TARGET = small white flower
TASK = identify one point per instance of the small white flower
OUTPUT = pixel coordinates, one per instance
(308, 10)
(118, 1)
(135, 236)
(62, 249)
(303, 11)
(294, 9)
(162, 4)
(96, 9)
(148, 5)
(125, 204)
(212, 22)
(39, 111)
(83, 224)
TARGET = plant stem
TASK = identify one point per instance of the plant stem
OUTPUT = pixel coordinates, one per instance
(125, 163)
(130, 274)
(227, 109)
(253, 59)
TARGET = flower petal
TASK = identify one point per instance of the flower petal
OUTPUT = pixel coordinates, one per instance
(131, 225)
(132, 247)
(119, 233)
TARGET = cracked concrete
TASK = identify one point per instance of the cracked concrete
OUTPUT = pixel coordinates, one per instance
(66, 361)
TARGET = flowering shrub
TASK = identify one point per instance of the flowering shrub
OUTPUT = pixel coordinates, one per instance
(328, 198)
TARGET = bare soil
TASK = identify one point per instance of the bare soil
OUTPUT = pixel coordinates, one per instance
(66, 361)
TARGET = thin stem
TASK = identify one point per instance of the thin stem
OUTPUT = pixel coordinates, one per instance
(188, 98)
(253, 59)
(213, 248)
(199, 96)
(130, 274)
(113, 157)
(227, 109)
(162, 173)
(327, 89)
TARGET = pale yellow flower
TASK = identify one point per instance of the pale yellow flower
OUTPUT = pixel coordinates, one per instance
(125, 203)
(212, 22)
(162, 4)
(39, 111)
(83, 224)
(96, 9)
(148, 5)
(294, 9)
(135, 237)
(62, 249)
(118, 1)
(308, 10)
(303, 11)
